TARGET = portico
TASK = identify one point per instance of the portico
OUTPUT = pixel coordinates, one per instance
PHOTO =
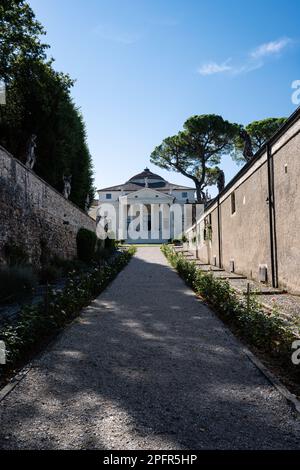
(147, 208)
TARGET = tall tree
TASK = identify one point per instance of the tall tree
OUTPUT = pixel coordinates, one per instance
(260, 132)
(20, 34)
(39, 102)
(196, 151)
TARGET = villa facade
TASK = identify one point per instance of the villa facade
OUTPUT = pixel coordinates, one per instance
(158, 202)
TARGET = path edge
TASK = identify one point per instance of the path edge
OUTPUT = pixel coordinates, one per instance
(291, 399)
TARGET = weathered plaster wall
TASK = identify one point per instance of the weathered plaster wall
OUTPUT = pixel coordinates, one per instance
(35, 215)
(245, 235)
(287, 213)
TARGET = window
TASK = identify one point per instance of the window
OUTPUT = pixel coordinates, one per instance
(184, 195)
(233, 208)
(108, 196)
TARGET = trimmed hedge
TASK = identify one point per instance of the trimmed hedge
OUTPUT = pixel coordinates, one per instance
(36, 323)
(86, 244)
(16, 282)
(265, 330)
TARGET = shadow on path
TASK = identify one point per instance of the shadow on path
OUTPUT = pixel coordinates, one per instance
(147, 366)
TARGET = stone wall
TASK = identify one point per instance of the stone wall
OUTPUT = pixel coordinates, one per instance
(36, 216)
(244, 236)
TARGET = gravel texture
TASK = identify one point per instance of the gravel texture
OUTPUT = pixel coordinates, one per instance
(146, 366)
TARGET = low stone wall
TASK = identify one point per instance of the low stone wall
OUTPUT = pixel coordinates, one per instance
(35, 215)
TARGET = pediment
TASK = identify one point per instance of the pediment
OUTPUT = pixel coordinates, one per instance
(148, 194)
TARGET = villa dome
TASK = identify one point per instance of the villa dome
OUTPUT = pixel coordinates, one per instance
(140, 177)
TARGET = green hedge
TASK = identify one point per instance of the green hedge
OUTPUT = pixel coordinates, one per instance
(265, 330)
(37, 322)
(16, 282)
(86, 244)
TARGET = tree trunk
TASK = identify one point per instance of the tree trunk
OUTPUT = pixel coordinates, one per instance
(199, 192)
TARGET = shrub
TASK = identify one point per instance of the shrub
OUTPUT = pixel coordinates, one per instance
(102, 254)
(268, 332)
(49, 273)
(110, 244)
(16, 282)
(15, 255)
(68, 265)
(86, 244)
(37, 322)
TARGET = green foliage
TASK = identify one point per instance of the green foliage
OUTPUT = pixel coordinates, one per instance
(197, 150)
(16, 282)
(260, 132)
(38, 322)
(102, 254)
(39, 102)
(20, 36)
(110, 244)
(49, 274)
(269, 332)
(86, 244)
(15, 254)
(66, 266)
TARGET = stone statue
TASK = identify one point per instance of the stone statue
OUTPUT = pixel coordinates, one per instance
(146, 182)
(207, 196)
(30, 154)
(87, 203)
(248, 151)
(221, 180)
(67, 186)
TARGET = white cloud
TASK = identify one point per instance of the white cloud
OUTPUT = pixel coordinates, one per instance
(269, 48)
(256, 59)
(212, 68)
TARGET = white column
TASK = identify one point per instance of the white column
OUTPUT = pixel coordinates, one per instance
(165, 211)
(155, 221)
(122, 221)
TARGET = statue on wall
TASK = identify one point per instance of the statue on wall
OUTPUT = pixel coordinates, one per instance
(30, 153)
(87, 203)
(146, 182)
(248, 150)
(221, 180)
(67, 186)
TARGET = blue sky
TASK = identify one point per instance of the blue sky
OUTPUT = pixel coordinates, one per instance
(144, 66)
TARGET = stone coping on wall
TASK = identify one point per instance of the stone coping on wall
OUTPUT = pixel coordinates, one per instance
(18, 162)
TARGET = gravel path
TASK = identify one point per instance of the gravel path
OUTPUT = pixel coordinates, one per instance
(146, 366)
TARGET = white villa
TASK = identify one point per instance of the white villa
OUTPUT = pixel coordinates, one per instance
(162, 207)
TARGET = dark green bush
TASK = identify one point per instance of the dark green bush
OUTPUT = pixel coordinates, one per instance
(49, 273)
(37, 322)
(266, 331)
(86, 245)
(110, 244)
(68, 265)
(102, 254)
(15, 255)
(16, 282)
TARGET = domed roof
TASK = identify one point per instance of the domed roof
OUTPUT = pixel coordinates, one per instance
(146, 174)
